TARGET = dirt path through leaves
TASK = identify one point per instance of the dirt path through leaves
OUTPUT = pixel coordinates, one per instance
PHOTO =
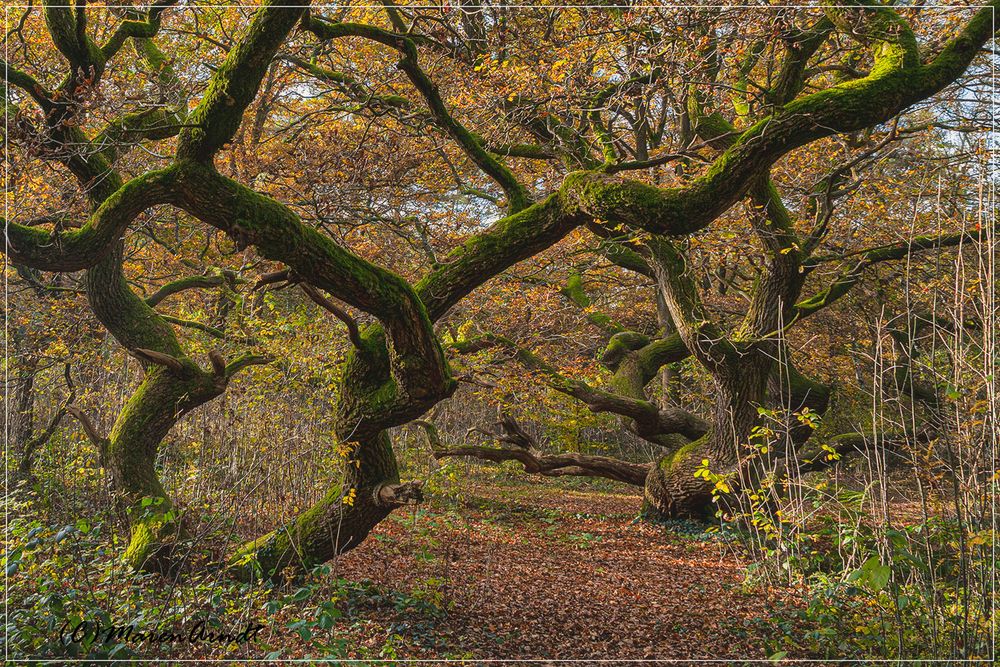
(544, 572)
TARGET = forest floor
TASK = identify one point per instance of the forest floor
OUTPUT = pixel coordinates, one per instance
(548, 569)
(492, 567)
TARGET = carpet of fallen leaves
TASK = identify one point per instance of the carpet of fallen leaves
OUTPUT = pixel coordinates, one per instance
(543, 571)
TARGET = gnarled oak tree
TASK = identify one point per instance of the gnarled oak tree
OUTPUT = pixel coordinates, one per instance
(549, 156)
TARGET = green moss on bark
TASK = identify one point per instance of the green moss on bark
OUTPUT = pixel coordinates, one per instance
(235, 84)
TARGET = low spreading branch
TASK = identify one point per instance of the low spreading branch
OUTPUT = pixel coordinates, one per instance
(524, 449)
(650, 422)
(556, 465)
(846, 444)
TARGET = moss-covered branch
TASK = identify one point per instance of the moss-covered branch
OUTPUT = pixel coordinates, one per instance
(700, 334)
(27, 83)
(894, 45)
(235, 84)
(799, 48)
(845, 107)
(67, 28)
(863, 259)
(417, 363)
(136, 27)
(650, 422)
(615, 249)
(80, 248)
(506, 242)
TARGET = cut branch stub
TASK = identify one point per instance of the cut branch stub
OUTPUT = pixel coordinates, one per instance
(238, 364)
(395, 495)
(218, 363)
(514, 434)
(173, 364)
(283, 276)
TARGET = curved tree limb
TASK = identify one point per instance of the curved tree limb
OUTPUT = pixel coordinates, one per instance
(556, 465)
(509, 431)
(213, 279)
(650, 421)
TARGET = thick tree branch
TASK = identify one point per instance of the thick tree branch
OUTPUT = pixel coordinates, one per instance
(573, 290)
(556, 465)
(417, 361)
(845, 107)
(136, 29)
(28, 84)
(506, 242)
(525, 451)
(192, 324)
(615, 249)
(864, 259)
(650, 421)
(236, 83)
(701, 336)
(83, 247)
(67, 28)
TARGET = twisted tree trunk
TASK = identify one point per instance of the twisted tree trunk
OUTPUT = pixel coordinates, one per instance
(672, 489)
(369, 489)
